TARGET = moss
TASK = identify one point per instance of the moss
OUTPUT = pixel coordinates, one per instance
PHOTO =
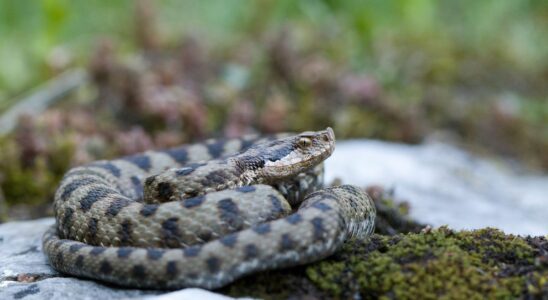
(438, 264)
(33, 181)
(392, 218)
(290, 283)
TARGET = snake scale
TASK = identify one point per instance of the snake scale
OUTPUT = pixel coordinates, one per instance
(204, 215)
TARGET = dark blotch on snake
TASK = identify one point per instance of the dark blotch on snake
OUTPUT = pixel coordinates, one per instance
(216, 148)
(97, 250)
(229, 213)
(92, 229)
(67, 217)
(319, 230)
(125, 232)
(94, 195)
(171, 269)
(193, 202)
(74, 185)
(170, 232)
(321, 206)
(214, 178)
(114, 170)
(245, 144)
(105, 268)
(116, 206)
(178, 154)
(252, 162)
(148, 210)
(262, 228)
(251, 251)
(229, 240)
(59, 258)
(75, 247)
(142, 161)
(137, 186)
(246, 189)
(213, 264)
(205, 235)
(192, 251)
(280, 153)
(139, 271)
(286, 243)
(294, 218)
(124, 252)
(276, 204)
(165, 191)
(59, 243)
(154, 254)
(79, 261)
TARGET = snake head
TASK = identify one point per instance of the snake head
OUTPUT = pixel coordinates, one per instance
(285, 157)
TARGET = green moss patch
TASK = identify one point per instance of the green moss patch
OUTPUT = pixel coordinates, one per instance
(439, 264)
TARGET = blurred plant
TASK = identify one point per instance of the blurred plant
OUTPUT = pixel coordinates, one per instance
(393, 70)
(31, 163)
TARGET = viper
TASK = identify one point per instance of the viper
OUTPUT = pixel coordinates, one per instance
(204, 215)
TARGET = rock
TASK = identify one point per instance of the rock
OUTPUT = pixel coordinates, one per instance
(446, 185)
(26, 274)
(20, 249)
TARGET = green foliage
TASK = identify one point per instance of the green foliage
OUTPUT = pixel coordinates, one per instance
(356, 31)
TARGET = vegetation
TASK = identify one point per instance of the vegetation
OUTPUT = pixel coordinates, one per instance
(437, 264)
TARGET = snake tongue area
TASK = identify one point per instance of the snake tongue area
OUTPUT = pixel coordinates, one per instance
(105, 232)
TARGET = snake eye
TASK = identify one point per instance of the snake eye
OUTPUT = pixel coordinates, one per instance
(325, 138)
(304, 142)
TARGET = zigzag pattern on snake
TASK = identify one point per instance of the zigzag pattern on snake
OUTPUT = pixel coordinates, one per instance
(204, 215)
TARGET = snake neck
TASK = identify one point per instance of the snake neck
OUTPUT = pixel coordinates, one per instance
(246, 171)
(265, 163)
(194, 180)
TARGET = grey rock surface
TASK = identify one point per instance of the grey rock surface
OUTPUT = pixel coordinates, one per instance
(446, 185)
(26, 274)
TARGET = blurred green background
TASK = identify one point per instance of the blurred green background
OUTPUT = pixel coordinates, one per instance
(170, 72)
(437, 36)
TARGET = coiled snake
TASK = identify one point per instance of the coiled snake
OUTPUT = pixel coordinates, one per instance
(223, 212)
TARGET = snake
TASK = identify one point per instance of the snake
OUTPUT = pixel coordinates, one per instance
(205, 214)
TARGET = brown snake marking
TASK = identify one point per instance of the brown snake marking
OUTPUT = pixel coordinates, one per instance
(219, 215)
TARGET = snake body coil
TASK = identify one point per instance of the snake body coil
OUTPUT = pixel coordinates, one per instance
(223, 212)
